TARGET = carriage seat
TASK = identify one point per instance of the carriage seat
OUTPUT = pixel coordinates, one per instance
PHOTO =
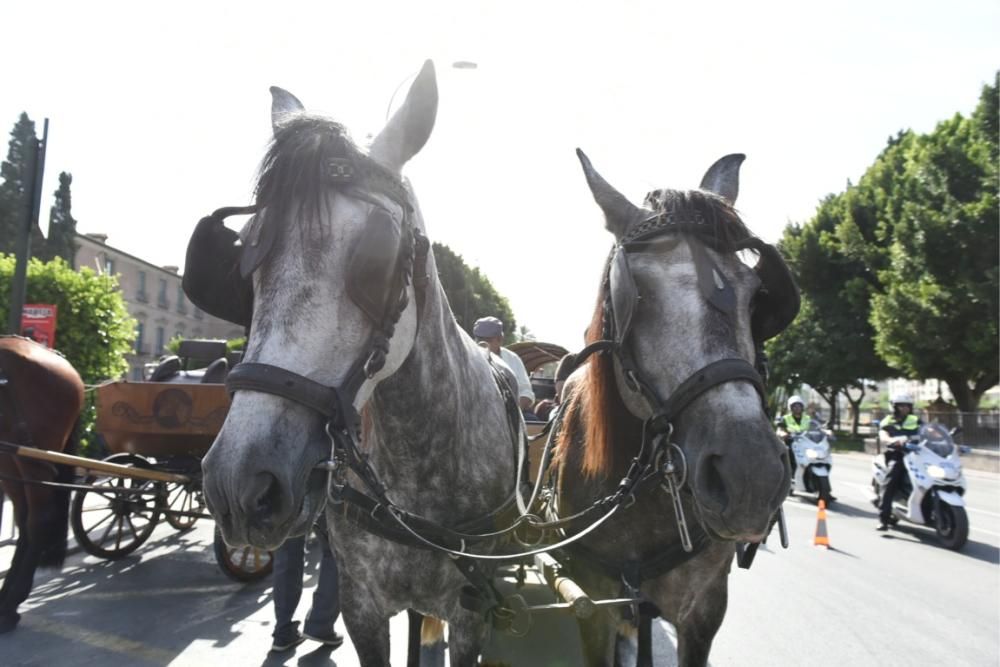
(166, 369)
(216, 372)
(174, 368)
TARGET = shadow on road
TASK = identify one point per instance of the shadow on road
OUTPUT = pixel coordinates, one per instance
(321, 657)
(987, 553)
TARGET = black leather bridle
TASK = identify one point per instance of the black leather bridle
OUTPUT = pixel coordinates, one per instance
(336, 403)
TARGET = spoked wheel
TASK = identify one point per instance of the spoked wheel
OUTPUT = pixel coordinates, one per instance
(952, 524)
(116, 515)
(244, 564)
(182, 498)
(823, 489)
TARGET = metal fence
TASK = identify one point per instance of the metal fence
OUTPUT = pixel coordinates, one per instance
(978, 429)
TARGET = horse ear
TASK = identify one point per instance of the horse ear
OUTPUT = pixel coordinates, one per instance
(619, 212)
(283, 105)
(410, 127)
(723, 177)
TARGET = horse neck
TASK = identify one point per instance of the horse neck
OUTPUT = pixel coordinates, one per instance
(438, 420)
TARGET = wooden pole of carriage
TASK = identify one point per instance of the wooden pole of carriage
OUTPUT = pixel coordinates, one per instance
(19, 284)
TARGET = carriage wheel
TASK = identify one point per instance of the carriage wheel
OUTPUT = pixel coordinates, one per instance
(109, 520)
(182, 498)
(243, 564)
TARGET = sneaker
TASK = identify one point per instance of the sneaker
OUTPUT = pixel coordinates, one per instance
(882, 526)
(289, 637)
(331, 638)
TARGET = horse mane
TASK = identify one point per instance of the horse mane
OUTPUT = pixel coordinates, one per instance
(596, 401)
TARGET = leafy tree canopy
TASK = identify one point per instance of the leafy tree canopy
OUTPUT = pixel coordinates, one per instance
(932, 203)
(93, 328)
(471, 294)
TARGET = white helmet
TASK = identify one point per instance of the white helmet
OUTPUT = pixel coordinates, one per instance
(901, 397)
(796, 399)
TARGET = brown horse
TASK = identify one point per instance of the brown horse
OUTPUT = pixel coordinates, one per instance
(41, 396)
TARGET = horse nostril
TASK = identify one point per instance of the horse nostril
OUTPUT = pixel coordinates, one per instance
(262, 497)
(713, 485)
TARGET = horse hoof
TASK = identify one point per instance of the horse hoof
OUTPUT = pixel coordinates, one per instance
(9, 621)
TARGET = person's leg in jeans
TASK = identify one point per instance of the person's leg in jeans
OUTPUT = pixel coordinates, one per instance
(289, 560)
(326, 598)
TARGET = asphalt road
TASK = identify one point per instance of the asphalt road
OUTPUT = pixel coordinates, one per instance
(892, 598)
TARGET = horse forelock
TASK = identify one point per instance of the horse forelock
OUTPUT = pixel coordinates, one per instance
(291, 179)
(705, 215)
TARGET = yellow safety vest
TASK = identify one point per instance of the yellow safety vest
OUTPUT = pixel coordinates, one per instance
(793, 426)
(909, 426)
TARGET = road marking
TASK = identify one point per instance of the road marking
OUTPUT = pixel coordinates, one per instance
(107, 642)
(979, 511)
(190, 590)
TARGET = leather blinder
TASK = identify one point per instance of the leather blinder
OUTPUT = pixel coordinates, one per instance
(373, 269)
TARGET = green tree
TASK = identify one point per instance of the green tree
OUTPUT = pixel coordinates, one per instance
(837, 292)
(93, 328)
(930, 205)
(62, 226)
(471, 294)
(14, 198)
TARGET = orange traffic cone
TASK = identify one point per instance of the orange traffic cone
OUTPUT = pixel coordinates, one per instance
(822, 539)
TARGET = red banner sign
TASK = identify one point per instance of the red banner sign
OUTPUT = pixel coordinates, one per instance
(38, 322)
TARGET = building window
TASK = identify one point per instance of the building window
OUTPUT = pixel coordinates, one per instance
(141, 294)
(160, 341)
(181, 303)
(109, 266)
(161, 300)
(140, 329)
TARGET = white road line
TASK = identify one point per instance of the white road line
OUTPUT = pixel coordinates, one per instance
(865, 492)
(108, 642)
(979, 511)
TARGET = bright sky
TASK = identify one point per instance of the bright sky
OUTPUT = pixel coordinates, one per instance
(162, 114)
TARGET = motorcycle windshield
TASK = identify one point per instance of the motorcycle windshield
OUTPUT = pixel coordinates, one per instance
(815, 434)
(937, 439)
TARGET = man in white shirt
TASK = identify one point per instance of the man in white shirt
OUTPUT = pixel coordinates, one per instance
(489, 330)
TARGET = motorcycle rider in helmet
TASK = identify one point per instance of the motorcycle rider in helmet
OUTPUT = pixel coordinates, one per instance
(793, 423)
(893, 433)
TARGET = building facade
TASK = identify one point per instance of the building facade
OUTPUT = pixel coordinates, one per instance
(154, 297)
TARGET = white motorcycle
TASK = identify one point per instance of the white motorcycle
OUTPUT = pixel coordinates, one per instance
(813, 462)
(931, 491)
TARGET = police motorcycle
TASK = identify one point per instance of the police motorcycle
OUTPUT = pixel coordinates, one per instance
(933, 485)
(809, 451)
(813, 462)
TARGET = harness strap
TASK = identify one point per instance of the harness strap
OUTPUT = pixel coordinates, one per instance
(371, 515)
(280, 382)
(635, 572)
(715, 373)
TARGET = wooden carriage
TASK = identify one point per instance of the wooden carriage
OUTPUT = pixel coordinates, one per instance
(157, 433)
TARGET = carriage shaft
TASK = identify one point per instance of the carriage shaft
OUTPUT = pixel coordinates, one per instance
(113, 469)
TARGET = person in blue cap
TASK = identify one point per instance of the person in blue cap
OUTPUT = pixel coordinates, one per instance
(489, 330)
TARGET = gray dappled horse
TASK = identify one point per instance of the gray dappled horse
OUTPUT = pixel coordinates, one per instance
(339, 327)
(687, 318)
